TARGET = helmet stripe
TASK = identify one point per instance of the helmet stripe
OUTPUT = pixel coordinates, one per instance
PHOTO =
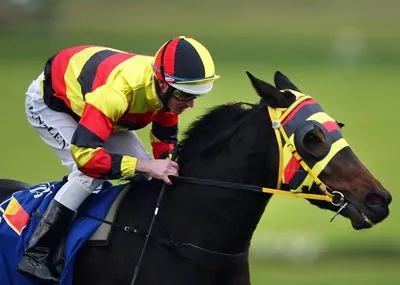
(188, 61)
(168, 60)
(205, 56)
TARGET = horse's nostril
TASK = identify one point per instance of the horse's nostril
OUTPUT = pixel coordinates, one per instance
(374, 199)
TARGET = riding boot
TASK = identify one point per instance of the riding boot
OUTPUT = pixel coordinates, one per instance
(38, 260)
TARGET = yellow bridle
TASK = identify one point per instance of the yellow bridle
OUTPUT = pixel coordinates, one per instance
(287, 151)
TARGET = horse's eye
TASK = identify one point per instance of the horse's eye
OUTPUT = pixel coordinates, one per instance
(312, 138)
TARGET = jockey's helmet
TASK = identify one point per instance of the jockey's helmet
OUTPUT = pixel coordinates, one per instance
(186, 65)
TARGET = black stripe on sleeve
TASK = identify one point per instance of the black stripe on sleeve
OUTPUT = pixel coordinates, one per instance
(115, 171)
(162, 133)
(85, 138)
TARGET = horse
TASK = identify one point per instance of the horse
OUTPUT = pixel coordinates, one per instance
(231, 164)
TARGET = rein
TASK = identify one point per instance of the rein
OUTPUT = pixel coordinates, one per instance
(252, 188)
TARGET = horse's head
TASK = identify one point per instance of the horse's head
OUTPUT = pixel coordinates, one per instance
(316, 159)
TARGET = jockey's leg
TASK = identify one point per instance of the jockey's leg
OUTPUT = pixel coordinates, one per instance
(37, 259)
(43, 258)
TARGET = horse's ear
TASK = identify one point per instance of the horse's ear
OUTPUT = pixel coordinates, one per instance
(282, 82)
(272, 96)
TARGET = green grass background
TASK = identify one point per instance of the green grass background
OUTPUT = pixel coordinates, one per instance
(343, 53)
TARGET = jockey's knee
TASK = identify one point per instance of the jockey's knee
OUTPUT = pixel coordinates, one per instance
(84, 181)
(78, 187)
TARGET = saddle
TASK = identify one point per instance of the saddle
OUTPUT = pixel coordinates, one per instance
(101, 237)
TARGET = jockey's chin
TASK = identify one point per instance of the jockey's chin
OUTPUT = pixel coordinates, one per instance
(178, 107)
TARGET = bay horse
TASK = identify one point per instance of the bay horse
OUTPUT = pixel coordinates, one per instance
(206, 219)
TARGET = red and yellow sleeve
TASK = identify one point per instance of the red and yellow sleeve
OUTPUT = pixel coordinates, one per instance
(103, 108)
(164, 133)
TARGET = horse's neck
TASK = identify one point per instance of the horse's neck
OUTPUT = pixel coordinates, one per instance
(244, 152)
(225, 219)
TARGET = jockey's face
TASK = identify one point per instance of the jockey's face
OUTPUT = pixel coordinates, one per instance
(177, 101)
(180, 102)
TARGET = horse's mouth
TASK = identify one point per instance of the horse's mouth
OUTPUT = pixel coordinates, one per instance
(359, 220)
(366, 214)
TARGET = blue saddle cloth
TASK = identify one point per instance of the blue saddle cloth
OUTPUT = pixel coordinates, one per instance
(17, 224)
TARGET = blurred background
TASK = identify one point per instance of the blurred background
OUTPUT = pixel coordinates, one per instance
(343, 53)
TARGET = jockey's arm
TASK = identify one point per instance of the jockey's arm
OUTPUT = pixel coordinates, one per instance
(164, 133)
(104, 106)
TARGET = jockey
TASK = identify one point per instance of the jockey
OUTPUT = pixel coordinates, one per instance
(85, 106)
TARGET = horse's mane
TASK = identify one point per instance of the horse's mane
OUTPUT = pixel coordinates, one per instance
(213, 128)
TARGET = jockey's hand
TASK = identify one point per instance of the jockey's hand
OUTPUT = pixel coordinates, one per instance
(159, 168)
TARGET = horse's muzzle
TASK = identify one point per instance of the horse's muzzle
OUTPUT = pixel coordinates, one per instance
(373, 209)
(377, 202)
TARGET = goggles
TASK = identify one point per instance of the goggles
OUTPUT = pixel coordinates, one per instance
(182, 96)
